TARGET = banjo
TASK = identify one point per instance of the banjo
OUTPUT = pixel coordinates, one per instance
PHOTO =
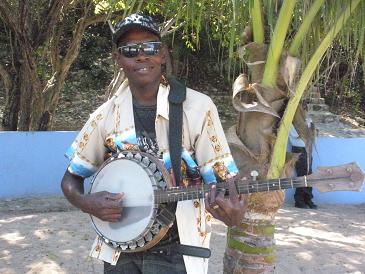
(145, 219)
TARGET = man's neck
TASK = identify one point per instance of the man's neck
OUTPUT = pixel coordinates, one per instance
(145, 95)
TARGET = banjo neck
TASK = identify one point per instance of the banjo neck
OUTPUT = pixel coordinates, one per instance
(176, 194)
(345, 177)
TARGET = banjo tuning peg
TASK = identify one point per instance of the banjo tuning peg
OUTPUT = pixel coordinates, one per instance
(254, 174)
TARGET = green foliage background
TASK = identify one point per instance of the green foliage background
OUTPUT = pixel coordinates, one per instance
(210, 32)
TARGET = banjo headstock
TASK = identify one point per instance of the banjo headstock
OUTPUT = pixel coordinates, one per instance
(348, 177)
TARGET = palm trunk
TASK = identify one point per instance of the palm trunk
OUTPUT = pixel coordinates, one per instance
(250, 247)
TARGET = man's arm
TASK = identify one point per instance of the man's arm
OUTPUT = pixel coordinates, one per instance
(103, 205)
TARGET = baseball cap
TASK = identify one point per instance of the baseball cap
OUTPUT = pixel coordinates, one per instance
(136, 20)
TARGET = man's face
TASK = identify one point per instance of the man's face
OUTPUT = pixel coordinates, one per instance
(142, 69)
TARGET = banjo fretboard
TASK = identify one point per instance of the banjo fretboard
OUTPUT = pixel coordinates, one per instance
(243, 187)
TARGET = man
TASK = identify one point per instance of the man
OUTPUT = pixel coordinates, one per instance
(303, 195)
(136, 118)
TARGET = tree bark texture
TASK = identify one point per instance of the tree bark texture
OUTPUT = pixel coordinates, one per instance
(9, 120)
(31, 102)
(250, 247)
(12, 99)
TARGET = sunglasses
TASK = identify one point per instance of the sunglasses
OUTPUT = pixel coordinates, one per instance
(132, 50)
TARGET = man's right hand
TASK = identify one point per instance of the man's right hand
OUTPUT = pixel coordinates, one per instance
(104, 205)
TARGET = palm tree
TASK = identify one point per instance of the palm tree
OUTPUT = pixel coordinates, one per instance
(268, 100)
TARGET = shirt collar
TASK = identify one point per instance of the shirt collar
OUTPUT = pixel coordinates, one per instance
(124, 92)
(163, 101)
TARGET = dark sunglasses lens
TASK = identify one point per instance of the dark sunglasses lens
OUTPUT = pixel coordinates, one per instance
(130, 51)
(149, 48)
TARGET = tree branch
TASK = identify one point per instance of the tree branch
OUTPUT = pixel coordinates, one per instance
(54, 48)
(11, 19)
(168, 25)
(9, 16)
(81, 25)
(23, 15)
(101, 18)
(6, 78)
(52, 16)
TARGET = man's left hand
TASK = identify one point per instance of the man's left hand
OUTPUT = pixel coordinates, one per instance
(229, 210)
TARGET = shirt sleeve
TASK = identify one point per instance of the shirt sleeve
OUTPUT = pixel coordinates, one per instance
(212, 151)
(86, 153)
(294, 138)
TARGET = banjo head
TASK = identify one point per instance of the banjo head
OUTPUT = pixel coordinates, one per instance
(136, 175)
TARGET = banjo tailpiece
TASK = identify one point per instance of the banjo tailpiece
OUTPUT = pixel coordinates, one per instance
(165, 217)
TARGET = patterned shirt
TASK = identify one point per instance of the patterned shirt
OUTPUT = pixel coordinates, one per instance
(205, 153)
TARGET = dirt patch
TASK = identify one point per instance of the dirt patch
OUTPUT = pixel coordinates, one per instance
(330, 240)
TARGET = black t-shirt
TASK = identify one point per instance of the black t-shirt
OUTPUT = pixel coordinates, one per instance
(144, 121)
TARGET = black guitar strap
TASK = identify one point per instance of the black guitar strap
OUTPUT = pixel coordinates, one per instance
(176, 97)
